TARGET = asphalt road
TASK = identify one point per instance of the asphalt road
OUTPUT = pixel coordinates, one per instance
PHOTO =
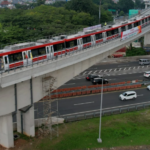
(127, 71)
(92, 102)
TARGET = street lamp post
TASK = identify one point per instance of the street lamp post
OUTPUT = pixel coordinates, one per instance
(99, 10)
(99, 140)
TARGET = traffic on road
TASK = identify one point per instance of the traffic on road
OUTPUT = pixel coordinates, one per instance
(106, 72)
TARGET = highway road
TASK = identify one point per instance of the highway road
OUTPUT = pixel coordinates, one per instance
(92, 102)
(114, 72)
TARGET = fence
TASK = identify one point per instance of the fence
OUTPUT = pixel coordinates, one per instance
(105, 111)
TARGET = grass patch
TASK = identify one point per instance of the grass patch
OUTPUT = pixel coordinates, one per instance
(118, 130)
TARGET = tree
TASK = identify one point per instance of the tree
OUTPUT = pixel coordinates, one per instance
(89, 7)
(40, 2)
(121, 13)
(125, 5)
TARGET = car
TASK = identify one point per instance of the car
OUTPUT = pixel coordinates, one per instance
(147, 74)
(144, 62)
(92, 76)
(99, 81)
(148, 87)
(128, 95)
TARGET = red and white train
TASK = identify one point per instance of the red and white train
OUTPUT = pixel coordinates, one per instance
(24, 54)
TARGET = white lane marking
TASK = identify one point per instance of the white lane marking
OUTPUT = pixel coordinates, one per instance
(124, 68)
(100, 71)
(134, 67)
(95, 71)
(70, 84)
(83, 103)
(129, 68)
(142, 66)
(139, 67)
(140, 95)
(84, 72)
(115, 69)
(105, 70)
(110, 70)
(90, 72)
(111, 79)
(120, 69)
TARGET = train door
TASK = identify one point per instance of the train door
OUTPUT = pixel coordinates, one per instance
(119, 31)
(104, 36)
(25, 57)
(48, 52)
(51, 51)
(93, 40)
(30, 57)
(1, 64)
(6, 62)
(80, 44)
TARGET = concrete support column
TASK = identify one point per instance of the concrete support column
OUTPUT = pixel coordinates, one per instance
(147, 39)
(6, 131)
(28, 122)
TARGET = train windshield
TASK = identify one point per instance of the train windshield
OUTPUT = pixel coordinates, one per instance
(1, 64)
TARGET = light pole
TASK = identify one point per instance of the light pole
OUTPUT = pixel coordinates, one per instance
(99, 140)
(99, 10)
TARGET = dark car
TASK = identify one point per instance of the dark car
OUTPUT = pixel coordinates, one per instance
(99, 81)
(92, 76)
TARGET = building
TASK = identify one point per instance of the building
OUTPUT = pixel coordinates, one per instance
(4, 4)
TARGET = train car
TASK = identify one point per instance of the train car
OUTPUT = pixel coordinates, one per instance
(24, 54)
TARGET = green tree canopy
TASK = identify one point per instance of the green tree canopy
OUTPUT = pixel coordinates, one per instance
(125, 5)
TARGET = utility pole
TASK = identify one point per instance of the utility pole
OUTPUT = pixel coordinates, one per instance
(99, 11)
(99, 140)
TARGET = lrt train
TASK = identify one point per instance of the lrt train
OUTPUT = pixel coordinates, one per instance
(24, 54)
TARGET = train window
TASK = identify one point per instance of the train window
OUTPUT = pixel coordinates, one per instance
(86, 39)
(123, 28)
(38, 52)
(149, 18)
(59, 47)
(116, 31)
(24, 54)
(28, 54)
(136, 24)
(146, 20)
(109, 33)
(15, 57)
(130, 26)
(142, 21)
(41, 51)
(71, 43)
(47, 50)
(139, 23)
(99, 36)
(6, 62)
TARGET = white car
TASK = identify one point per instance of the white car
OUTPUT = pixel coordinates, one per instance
(128, 95)
(147, 74)
(148, 87)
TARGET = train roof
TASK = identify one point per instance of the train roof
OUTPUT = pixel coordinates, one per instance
(60, 39)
